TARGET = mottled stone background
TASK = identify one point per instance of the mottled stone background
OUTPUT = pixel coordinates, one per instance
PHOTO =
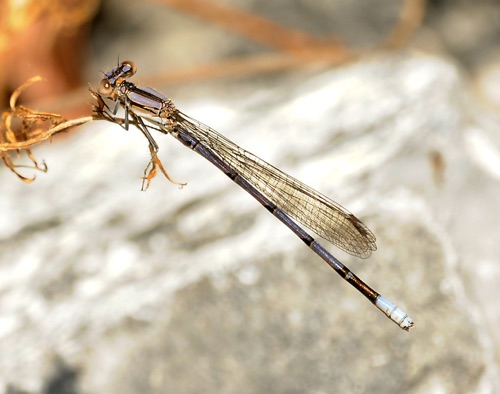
(107, 289)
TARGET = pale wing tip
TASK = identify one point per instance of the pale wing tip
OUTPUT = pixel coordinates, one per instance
(355, 237)
(360, 246)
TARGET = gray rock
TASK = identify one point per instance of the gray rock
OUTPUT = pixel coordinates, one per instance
(201, 290)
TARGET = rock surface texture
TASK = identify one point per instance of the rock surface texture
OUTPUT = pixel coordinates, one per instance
(107, 289)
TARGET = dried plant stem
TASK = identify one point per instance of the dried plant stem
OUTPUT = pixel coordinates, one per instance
(45, 134)
(22, 127)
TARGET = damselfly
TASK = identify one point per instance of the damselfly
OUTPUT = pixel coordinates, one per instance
(282, 195)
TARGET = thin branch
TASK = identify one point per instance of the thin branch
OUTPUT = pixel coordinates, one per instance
(22, 127)
(45, 134)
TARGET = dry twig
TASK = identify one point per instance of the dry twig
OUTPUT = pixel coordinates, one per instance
(23, 127)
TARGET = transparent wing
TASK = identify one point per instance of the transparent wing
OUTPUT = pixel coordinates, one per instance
(311, 208)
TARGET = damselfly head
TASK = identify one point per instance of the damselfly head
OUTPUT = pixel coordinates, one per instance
(118, 74)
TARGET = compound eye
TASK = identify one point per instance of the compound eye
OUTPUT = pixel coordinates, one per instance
(105, 88)
(132, 68)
